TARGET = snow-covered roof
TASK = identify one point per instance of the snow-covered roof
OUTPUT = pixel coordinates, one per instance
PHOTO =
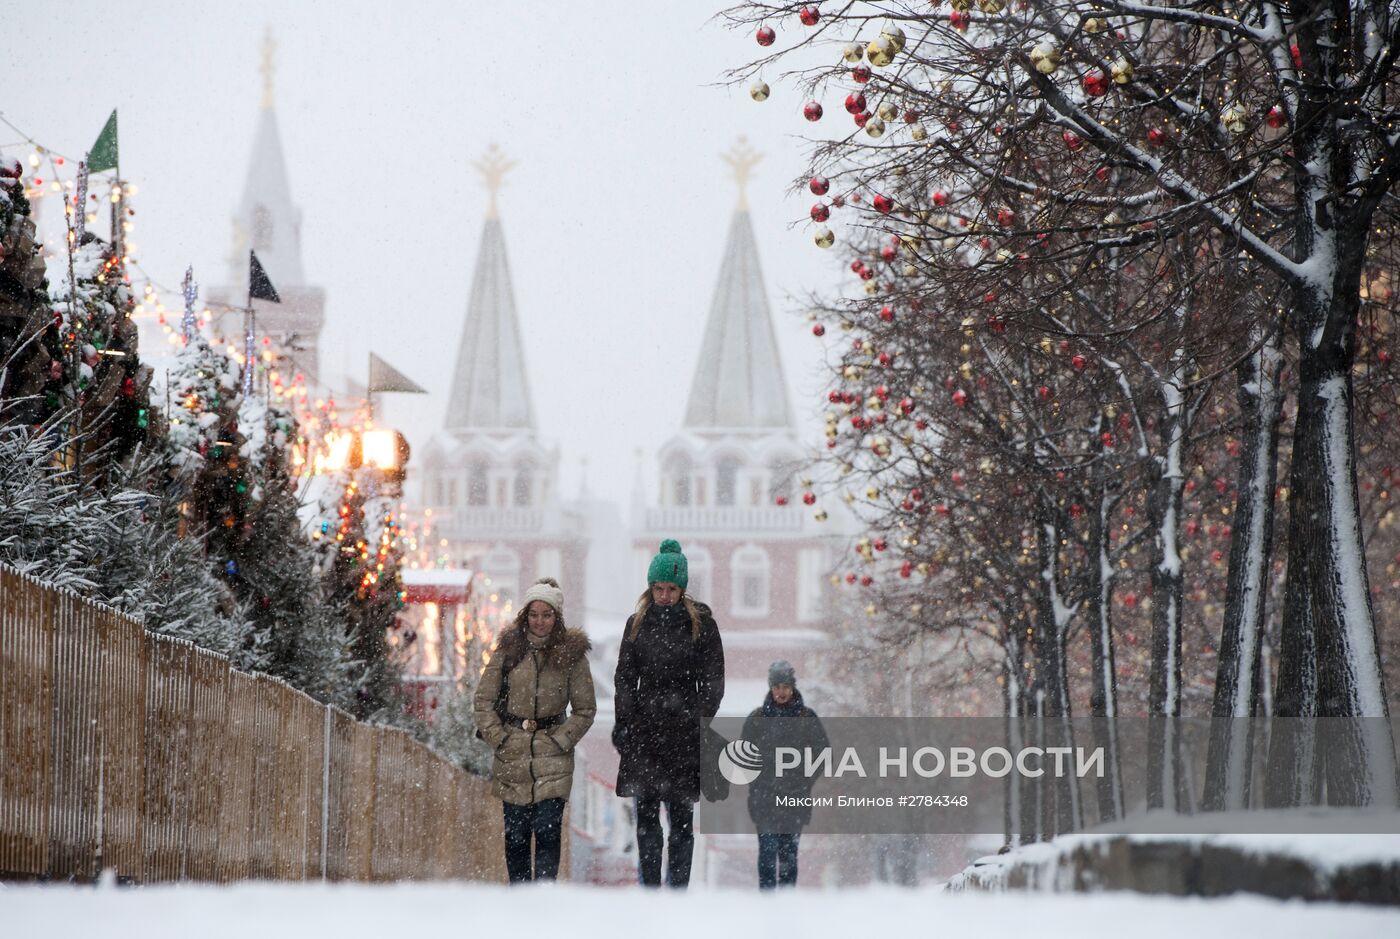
(489, 388)
(738, 381)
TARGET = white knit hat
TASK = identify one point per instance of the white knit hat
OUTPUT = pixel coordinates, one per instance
(546, 589)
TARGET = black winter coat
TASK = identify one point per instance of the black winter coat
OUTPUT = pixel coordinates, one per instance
(668, 688)
(769, 727)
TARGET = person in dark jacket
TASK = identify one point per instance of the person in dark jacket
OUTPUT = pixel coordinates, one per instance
(668, 686)
(782, 721)
(534, 703)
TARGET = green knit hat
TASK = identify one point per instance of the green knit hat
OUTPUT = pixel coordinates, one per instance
(669, 565)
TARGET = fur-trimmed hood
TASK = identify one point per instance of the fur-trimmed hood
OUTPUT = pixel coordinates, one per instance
(562, 649)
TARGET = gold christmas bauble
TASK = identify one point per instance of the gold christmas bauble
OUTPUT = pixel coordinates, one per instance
(918, 132)
(1233, 119)
(1045, 57)
(887, 111)
(875, 127)
(1122, 71)
(880, 52)
(1096, 24)
(991, 6)
(824, 238)
(895, 35)
(871, 287)
(852, 53)
(759, 91)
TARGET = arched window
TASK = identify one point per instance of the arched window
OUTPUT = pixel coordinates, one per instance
(478, 482)
(501, 568)
(749, 580)
(699, 567)
(726, 480)
(678, 472)
(524, 483)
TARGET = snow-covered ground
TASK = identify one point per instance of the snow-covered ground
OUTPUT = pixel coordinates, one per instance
(263, 911)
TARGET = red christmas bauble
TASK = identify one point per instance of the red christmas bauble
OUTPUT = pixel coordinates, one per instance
(883, 204)
(887, 252)
(880, 544)
(882, 392)
(906, 569)
(1275, 117)
(866, 580)
(940, 198)
(916, 494)
(861, 118)
(906, 405)
(1079, 362)
(960, 398)
(820, 213)
(855, 102)
(780, 500)
(1072, 141)
(812, 110)
(1096, 84)
(809, 498)
(818, 330)
(860, 74)
(959, 20)
(1156, 137)
(856, 267)
(1005, 217)
(887, 314)
(819, 185)
(765, 35)
(911, 117)
(886, 359)
(1045, 393)
(838, 201)
(834, 397)
(809, 16)
(1101, 174)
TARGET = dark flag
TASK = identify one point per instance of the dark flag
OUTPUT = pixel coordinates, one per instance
(259, 287)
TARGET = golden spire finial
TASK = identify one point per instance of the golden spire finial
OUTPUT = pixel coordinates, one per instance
(269, 47)
(742, 159)
(493, 167)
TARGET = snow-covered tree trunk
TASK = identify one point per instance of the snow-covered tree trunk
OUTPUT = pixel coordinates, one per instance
(1019, 827)
(1060, 810)
(1103, 698)
(1238, 676)
(1165, 785)
(1329, 656)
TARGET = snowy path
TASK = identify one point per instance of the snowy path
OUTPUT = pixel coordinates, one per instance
(347, 912)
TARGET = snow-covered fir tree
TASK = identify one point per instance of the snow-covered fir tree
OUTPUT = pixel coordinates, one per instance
(307, 643)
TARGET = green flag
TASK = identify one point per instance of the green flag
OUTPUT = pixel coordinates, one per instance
(103, 155)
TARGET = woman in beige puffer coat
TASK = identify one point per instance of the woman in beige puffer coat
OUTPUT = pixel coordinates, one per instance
(534, 703)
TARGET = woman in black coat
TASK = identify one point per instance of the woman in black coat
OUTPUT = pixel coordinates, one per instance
(669, 682)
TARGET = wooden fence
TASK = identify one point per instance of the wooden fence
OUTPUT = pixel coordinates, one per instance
(124, 750)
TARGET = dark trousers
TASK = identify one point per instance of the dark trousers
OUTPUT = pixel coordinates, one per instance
(777, 860)
(680, 815)
(543, 820)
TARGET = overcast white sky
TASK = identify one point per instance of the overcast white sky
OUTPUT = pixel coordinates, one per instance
(615, 216)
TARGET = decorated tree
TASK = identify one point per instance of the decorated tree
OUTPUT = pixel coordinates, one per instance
(307, 641)
(364, 587)
(1149, 189)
